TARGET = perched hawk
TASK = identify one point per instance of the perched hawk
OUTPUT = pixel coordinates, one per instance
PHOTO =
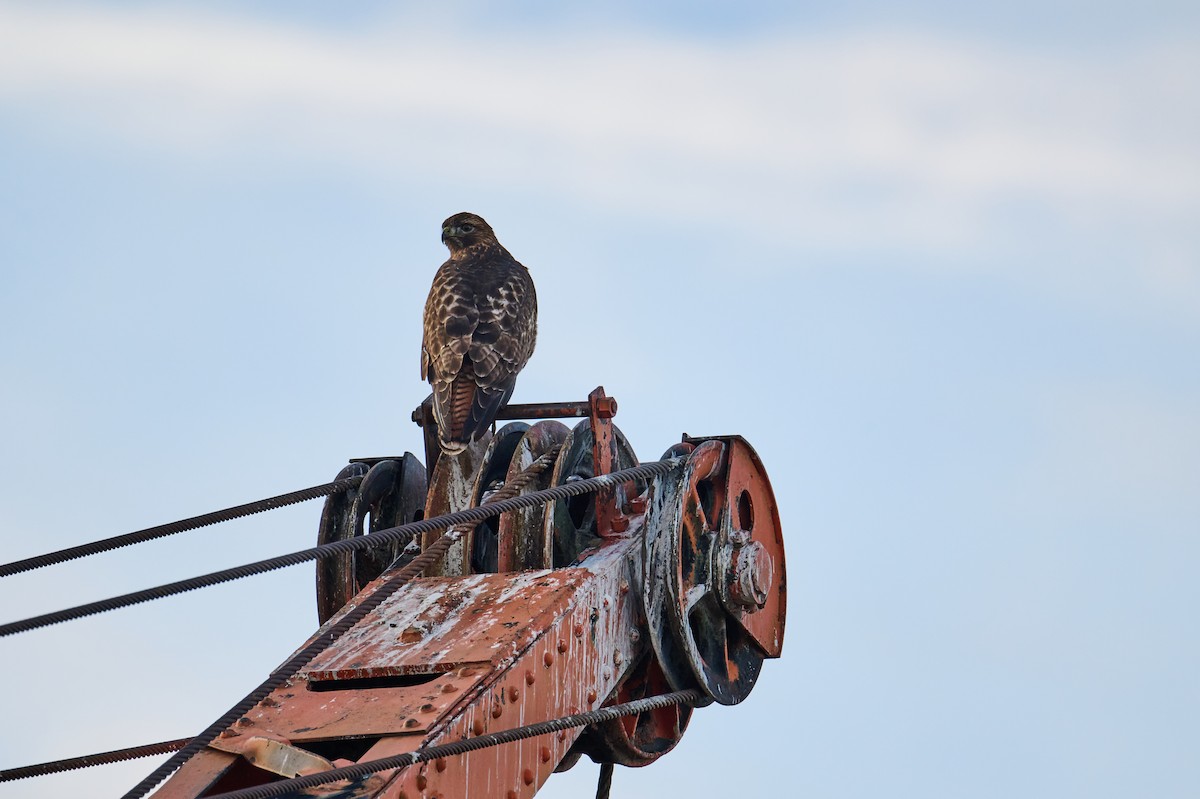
(480, 327)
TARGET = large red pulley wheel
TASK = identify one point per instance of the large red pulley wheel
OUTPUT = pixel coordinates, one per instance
(714, 577)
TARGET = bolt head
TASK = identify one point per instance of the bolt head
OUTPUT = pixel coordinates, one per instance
(750, 576)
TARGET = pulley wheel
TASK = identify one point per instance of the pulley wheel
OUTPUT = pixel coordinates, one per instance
(570, 524)
(714, 580)
(640, 739)
(481, 541)
(452, 487)
(522, 543)
(391, 493)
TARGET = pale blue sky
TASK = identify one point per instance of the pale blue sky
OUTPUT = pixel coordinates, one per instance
(940, 267)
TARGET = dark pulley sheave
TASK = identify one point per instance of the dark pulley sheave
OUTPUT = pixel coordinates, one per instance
(480, 329)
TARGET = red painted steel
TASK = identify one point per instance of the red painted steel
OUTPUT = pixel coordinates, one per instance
(447, 658)
(456, 655)
(609, 520)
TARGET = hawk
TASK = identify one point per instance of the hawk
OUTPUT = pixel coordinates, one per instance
(480, 328)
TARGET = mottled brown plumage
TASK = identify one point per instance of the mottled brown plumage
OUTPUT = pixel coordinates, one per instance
(480, 328)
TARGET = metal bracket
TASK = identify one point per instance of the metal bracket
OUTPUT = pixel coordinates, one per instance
(610, 522)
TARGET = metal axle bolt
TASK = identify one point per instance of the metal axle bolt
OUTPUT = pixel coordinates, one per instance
(750, 576)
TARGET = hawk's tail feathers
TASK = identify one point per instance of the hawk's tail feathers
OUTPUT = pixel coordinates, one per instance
(468, 410)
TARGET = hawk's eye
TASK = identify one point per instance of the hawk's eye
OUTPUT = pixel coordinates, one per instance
(467, 227)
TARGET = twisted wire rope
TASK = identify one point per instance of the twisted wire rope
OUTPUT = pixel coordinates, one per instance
(454, 748)
(456, 524)
(400, 534)
(183, 525)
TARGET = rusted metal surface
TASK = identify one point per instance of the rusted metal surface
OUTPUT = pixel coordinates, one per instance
(536, 410)
(521, 540)
(679, 584)
(274, 756)
(572, 526)
(715, 582)
(580, 654)
(448, 658)
(391, 493)
(637, 740)
(557, 410)
(423, 415)
(598, 405)
(481, 542)
(335, 576)
(754, 526)
(604, 456)
(452, 487)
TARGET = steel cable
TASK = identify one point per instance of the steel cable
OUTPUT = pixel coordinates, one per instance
(604, 784)
(330, 633)
(427, 558)
(87, 761)
(183, 525)
(338, 625)
(401, 534)
(454, 748)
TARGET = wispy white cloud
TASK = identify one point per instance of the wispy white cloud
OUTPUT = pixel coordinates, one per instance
(898, 139)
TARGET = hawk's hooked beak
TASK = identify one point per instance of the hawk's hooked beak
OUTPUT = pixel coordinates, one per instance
(449, 232)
